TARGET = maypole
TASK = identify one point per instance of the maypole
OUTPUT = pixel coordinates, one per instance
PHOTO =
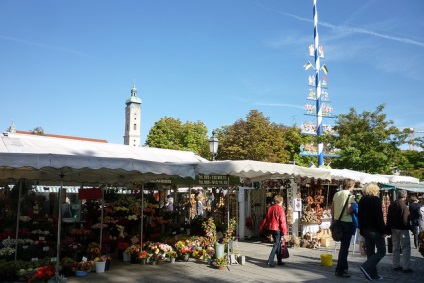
(318, 87)
(318, 93)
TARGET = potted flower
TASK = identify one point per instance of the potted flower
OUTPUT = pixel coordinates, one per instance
(44, 273)
(183, 249)
(93, 250)
(155, 258)
(83, 267)
(172, 256)
(221, 262)
(143, 255)
(100, 263)
(133, 251)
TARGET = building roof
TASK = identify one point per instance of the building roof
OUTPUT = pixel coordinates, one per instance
(63, 137)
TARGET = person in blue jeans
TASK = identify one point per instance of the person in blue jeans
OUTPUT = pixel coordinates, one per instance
(348, 229)
(373, 229)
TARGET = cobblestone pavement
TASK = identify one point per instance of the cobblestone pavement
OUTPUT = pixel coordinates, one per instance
(304, 265)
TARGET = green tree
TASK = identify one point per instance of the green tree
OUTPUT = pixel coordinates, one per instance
(171, 133)
(412, 164)
(38, 131)
(255, 138)
(367, 142)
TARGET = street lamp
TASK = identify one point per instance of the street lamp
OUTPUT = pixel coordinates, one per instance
(213, 145)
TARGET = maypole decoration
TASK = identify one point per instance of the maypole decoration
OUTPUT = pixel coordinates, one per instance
(319, 94)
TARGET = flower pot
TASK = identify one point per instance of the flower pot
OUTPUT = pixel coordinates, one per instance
(220, 267)
(143, 261)
(219, 250)
(126, 256)
(172, 259)
(154, 262)
(186, 257)
(80, 273)
(100, 266)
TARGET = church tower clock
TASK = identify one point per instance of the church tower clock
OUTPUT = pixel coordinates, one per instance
(132, 119)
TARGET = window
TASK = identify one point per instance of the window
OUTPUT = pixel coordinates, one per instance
(135, 126)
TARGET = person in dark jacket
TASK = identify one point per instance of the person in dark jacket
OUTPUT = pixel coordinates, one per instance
(275, 221)
(398, 222)
(373, 229)
(414, 209)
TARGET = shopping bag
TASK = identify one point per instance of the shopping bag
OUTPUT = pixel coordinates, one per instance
(284, 249)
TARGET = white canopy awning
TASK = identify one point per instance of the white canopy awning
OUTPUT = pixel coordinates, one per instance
(74, 162)
(258, 170)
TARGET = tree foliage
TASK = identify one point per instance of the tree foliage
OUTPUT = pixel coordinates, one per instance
(367, 142)
(171, 133)
(255, 138)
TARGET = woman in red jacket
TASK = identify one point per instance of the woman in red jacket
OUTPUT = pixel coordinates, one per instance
(275, 221)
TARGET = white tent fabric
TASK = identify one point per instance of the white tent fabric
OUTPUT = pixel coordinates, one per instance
(368, 178)
(257, 170)
(74, 161)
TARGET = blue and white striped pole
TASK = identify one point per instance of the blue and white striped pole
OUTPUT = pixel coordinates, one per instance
(318, 86)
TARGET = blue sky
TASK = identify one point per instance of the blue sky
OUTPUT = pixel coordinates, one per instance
(68, 66)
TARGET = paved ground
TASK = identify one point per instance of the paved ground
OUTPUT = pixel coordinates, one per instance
(304, 265)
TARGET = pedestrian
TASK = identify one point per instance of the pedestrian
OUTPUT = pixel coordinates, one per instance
(339, 200)
(275, 221)
(199, 205)
(421, 219)
(398, 222)
(373, 229)
(414, 210)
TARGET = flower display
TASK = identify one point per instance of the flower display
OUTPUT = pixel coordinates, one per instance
(7, 251)
(210, 230)
(80, 232)
(210, 251)
(171, 254)
(102, 258)
(230, 231)
(85, 266)
(122, 246)
(74, 248)
(133, 249)
(44, 273)
(143, 255)
(199, 253)
(93, 250)
(183, 247)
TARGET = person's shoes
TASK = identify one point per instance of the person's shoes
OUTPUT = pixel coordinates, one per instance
(377, 277)
(398, 268)
(408, 270)
(271, 265)
(343, 274)
(281, 263)
(366, 274)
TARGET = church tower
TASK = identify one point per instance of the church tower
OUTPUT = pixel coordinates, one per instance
(132, 119)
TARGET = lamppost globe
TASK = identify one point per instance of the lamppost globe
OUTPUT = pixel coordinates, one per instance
(213, 145)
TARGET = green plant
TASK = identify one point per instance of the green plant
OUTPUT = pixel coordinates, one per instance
(222, 261)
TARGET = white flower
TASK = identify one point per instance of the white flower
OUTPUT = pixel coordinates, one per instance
(7, 251)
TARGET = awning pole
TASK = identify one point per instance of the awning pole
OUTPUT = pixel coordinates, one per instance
(101, 219)
(59, 228)
(17, 220)
(142, 216)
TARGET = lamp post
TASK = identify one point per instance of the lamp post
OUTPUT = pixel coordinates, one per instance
(213, 145)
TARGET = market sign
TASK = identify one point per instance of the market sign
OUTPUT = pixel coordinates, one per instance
(213, 180)
(201, 180)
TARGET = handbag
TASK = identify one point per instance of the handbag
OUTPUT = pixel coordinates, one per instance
(336, 227)
(284, 249)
